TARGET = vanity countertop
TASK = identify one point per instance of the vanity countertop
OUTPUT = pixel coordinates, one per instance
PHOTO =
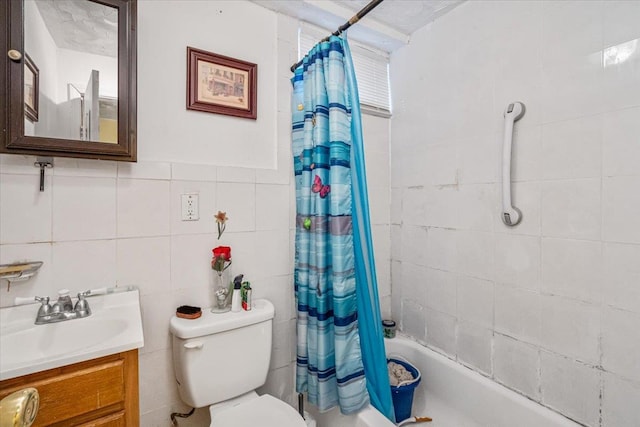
(114, 326)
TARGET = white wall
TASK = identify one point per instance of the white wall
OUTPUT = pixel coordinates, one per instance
(42, 51)
(105, 223)
(169, 132)
(550, 308)
(75, 67)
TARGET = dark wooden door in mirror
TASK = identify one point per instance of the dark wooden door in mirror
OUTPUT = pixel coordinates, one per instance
(68, 78)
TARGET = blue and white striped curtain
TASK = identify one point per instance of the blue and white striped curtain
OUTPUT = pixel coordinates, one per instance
(330, 366)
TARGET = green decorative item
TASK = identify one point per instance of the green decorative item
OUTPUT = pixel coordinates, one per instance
(307, 223)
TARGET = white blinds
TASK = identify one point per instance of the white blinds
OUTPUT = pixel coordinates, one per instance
(371, 65)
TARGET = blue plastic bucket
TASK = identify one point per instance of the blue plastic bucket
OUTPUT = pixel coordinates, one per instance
(402, 395)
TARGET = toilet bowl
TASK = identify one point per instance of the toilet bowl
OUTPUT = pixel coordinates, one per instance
(254, 410)
(220, 359)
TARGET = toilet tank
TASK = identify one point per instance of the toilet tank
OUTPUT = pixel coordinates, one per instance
(222, 355)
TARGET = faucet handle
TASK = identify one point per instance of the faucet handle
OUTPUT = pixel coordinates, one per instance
(82, 305)
(45, 308)
(30, 300)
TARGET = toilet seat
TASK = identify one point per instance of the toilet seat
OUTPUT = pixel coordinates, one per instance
(264, 411)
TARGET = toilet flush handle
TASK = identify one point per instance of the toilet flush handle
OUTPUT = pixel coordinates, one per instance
(193, 344)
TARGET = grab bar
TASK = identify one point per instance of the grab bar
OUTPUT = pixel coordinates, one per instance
(510, 214)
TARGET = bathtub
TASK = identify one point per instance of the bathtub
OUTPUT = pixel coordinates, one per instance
(454, 396)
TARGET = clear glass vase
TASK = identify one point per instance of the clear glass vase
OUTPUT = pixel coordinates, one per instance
(221, 302)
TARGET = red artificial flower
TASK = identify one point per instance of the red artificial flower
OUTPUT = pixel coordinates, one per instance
(221, 258)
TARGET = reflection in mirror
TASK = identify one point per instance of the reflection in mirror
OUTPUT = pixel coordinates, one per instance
(74, 45)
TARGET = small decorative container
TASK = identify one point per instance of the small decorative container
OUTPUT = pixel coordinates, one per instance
(221, 292)
(389, 328)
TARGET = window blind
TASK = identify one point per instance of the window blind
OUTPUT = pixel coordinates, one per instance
(371, 66)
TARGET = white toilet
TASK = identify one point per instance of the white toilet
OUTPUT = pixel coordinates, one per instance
(220, 359)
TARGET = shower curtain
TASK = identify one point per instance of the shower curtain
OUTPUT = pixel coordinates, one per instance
(340, 349)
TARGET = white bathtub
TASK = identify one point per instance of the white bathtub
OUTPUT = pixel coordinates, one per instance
(454, 396)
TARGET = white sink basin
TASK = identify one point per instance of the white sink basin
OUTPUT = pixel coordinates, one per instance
(114, 326)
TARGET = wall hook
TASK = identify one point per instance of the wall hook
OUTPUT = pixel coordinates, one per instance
(43, 163)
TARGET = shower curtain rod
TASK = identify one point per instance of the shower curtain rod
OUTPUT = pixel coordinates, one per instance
(355, 18)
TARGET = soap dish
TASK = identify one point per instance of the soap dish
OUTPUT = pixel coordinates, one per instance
(188, 312)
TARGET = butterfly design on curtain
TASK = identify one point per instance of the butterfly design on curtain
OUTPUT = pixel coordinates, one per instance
(317, 187)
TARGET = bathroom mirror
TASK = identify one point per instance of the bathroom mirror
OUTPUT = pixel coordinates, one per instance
(69, 78)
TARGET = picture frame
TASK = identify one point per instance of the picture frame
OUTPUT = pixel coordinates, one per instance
(220, 84)
(31, 88)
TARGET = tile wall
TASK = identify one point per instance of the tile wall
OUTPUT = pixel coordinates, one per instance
(550, 308)
(106, 224)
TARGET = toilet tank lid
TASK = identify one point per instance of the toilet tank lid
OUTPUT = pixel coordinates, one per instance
(210, 323)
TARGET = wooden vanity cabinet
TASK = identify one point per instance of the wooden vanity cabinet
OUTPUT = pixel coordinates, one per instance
(100, 392)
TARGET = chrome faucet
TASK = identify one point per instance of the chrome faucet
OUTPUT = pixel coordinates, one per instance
(64, 303)
(63, 309)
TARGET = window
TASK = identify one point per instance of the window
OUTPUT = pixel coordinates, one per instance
(371, 65)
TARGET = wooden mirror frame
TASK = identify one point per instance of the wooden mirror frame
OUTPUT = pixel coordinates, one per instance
(12, 87)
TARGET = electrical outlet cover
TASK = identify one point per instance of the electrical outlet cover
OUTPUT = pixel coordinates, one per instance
(190, 211)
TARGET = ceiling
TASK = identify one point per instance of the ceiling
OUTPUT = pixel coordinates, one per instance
(387, 27)
(92, 27)
(81, 25)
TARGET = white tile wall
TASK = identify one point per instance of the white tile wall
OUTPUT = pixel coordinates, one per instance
(518, 313)
(516, 364)
(474, 346)
(560, 297)
(471, 257)
(441, 290)
(572, 209)
(621, 209)
(413, 320)
(22, 202)
(83, 208)
(83, 265)
(441, 330)
(143, 207)
(621, 142)
(622, 272)
(517, 260)
(572, 268)
(571, 148)
(561, 378)
(620, 402)
(571, 328)
(475, 300)
(151, 273)
(621, 343)
(440, 249)
(415, 283)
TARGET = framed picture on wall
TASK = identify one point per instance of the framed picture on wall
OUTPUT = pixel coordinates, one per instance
(31, 89)
(220, 84)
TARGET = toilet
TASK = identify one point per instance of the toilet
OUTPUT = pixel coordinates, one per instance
(220, 359)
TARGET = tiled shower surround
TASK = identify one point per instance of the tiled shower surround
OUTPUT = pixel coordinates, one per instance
(551, 307)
